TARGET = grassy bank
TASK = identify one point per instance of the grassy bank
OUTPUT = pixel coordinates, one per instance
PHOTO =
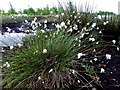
(8, 19)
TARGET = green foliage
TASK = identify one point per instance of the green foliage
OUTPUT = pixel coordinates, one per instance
(11, 10)
(31, 60)
(29, 11)
(106, 13)
(47, 60)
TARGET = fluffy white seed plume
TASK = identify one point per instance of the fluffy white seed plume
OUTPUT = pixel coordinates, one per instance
(78, 81)
(45, 21)
(118, 48)
(45, 25)
(99, 17)
(44, 50)
(62, 24)
(19, 45)
(35, 19)
(26, 21)
(57, 16)
(91, 61)
(97, 42)
(94, 50)
(108, 56)
(62, 14)
(92, 39)
(73, 71)
(68, 22)
(100, 32)
(93, 25)
(95, 59)
(57, 25)
(11, 47)
(113, 41)
(79, 55)
(70, 30)
(43, 31)
(94, 89)
(97, 28)
(8, 29)
(105, 22)
(7, 65)
(88, 23)
(50, 70)
(75, 17)
(102, 70)
(39, 78)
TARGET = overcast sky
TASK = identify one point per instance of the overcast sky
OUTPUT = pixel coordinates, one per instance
(104, 5)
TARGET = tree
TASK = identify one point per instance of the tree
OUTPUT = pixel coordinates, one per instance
(12, 10)
(31, 10)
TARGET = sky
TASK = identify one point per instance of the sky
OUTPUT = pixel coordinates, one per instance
(103, 5)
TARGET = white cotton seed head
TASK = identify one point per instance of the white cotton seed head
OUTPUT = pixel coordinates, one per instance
(44, 50)
(94, 89)
(45, 21)
(62, 14)
(57, 16)
(92, 39)
(70, 30)
(104, 23)
(100, 32)
(99, 17)
(43, 31)
(118, 48)
(97, 28)
(102, 70)
(78, 81)
(73, 71)
(11, 47)
(62, 24)
(91, 61)
(50, 70)
(45, 25)
(79, 55)
(97, 42)
(35, 19)
(113, 41)
(93, 25)
(94, 50)
(107, 21)
(8, 65)
(8, 29)
(78, 20)
(3, 51)
(19, 45)
(26, 21)
(57, 26)
(95, 59)
(4, 65)
(108, 56)
(75, 17)
(88, 23)
(39, 78)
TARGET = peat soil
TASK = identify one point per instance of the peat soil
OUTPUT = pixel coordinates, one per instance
(110, 78)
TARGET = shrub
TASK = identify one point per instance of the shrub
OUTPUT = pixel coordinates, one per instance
(52, 59)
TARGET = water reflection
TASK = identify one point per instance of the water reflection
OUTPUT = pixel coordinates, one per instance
(9, 39)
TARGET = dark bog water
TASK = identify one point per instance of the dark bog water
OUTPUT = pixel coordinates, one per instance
(10, 38)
